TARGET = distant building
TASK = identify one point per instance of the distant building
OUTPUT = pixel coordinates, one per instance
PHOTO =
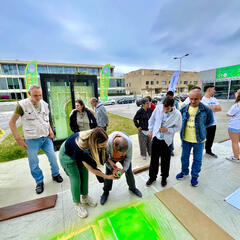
(12, 76)
(152, 82)
(226, 80)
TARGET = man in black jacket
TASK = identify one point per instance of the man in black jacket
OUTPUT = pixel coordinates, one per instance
(141, 122)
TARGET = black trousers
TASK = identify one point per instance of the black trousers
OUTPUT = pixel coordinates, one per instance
(210, 138)
(129, 177)
(159, 149)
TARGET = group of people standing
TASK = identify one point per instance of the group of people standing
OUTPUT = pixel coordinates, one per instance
(90, 146)
(85, 150)
(196, 122)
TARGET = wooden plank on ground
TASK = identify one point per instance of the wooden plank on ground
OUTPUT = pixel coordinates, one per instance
(142, 169)
(24, 208)
(195, 221)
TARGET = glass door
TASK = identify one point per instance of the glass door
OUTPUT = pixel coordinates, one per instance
(60, 91)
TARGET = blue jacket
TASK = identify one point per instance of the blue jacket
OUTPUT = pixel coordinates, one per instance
(203, 120)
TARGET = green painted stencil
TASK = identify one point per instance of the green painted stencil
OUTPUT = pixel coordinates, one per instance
(140, 221)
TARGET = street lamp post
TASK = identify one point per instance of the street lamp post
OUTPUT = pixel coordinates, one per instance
(180, 62)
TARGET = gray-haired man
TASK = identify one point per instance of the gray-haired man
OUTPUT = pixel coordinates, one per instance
(37, 133)
(101, 113)
(119, 149)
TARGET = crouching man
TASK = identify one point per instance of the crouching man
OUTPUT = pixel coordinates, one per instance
(119, 149)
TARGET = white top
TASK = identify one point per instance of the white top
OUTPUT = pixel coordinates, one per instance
(173, 123)
(234, 111)
(212, 101)
(160, 135)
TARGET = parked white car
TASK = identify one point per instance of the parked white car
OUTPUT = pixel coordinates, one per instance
(109, 102)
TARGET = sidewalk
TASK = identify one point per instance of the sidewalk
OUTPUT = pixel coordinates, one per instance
(217, 180)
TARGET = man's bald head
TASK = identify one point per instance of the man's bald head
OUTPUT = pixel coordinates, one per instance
(121, 144)
(195, 97)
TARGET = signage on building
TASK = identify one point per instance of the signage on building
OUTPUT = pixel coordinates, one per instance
(228, 72)
(31, 75)
(104, 82)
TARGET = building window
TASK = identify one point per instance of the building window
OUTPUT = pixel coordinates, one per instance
(10, 83)
(42, 69)
(157, 82)
(164, 82)
(16, 83)
(10, 69)
(93, 71)
(3, 83)
(21, 69)
(195, 82)
(185, 82)
(147, 82)
(152, 82)
(180, 82)
(55, 69)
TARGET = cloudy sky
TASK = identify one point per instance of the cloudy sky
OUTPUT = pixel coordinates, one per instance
(129, 34)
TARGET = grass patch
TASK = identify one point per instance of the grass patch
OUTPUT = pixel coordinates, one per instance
(10, 150)
(118, 123)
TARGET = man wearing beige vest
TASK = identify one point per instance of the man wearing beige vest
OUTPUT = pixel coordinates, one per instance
(37, 133)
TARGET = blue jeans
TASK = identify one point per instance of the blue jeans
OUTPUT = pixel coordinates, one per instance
(197, 157)
(46, 144)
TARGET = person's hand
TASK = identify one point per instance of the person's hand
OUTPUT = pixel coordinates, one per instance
(150, 134)
(139, 129)
(22, 143)
(121, 170)
(51, 135)
(115, 173)
(163, 129)
(112, 177)
(112, 164)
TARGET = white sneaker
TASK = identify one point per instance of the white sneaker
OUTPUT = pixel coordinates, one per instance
(89, 201)
(233, 159)
(81, 211)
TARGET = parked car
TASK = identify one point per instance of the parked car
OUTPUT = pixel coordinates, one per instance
(109, 102)
(126, 100)
(182, 97)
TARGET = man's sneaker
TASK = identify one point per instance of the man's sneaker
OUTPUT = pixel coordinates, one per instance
(149, 182)
(81, 211)
(211, 154)
(39, 188)
(233, 159)
(89, 201)
(57, 178)
(194, 182)
(180, 176)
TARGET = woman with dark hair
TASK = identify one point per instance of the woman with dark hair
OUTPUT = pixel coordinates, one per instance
(234, 128)
(81, 118)
(78, 154)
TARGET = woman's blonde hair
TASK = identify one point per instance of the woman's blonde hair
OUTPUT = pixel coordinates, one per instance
(92, 140)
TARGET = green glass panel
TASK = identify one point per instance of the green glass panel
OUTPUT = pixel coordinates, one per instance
(61, 104)
(83, 92)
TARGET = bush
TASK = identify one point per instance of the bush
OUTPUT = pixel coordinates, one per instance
(4, 97)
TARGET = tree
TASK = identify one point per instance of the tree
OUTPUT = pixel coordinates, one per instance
(190, 86)
(81, 73)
